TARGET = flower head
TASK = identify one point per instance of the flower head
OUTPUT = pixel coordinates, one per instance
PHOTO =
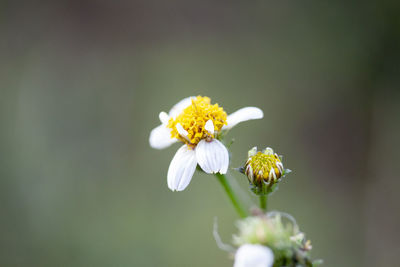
(198, 121)
(263, 169)
(198, 124)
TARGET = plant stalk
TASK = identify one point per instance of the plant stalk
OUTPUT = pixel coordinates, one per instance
(263, 202)
(228, 189)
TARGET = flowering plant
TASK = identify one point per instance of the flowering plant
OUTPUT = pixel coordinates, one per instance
(263, 239)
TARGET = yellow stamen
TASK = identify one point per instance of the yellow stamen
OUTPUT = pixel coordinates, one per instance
(193, 119)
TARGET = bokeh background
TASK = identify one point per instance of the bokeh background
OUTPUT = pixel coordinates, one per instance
(82, 83)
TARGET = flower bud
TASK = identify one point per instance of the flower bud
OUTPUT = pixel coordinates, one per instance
(263, 169)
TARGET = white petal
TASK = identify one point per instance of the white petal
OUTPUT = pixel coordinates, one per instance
(272, 174)
(160, 137)
(243, 114)
(249, 173)
(180, 106)
(164, 118)
(249, 255)
(252, 152)
(209, 126)
(182, 132)
(181, 168)
(212, 156)
(268, 151)
(280, 166)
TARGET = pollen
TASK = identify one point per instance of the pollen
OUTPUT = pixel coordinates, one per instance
(264, 167)
(193, 120)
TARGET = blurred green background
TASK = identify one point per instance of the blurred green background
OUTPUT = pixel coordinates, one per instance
(82, 83)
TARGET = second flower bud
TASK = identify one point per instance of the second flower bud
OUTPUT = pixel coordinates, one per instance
(264, 169)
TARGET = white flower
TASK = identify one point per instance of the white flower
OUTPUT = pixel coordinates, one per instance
(196, 122)
(249, 255)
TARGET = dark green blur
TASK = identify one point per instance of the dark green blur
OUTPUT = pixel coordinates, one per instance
(81, 86)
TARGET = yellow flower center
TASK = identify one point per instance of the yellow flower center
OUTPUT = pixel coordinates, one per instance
(193, 120)
(265, 166)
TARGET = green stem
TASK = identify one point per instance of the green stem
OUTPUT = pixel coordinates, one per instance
(228, 189)
(263, 202)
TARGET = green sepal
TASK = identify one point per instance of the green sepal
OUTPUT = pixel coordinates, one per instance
(286, 171)
(240, 169)
(263, 188)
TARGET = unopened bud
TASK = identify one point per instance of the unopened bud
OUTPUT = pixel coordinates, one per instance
(263, 169)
